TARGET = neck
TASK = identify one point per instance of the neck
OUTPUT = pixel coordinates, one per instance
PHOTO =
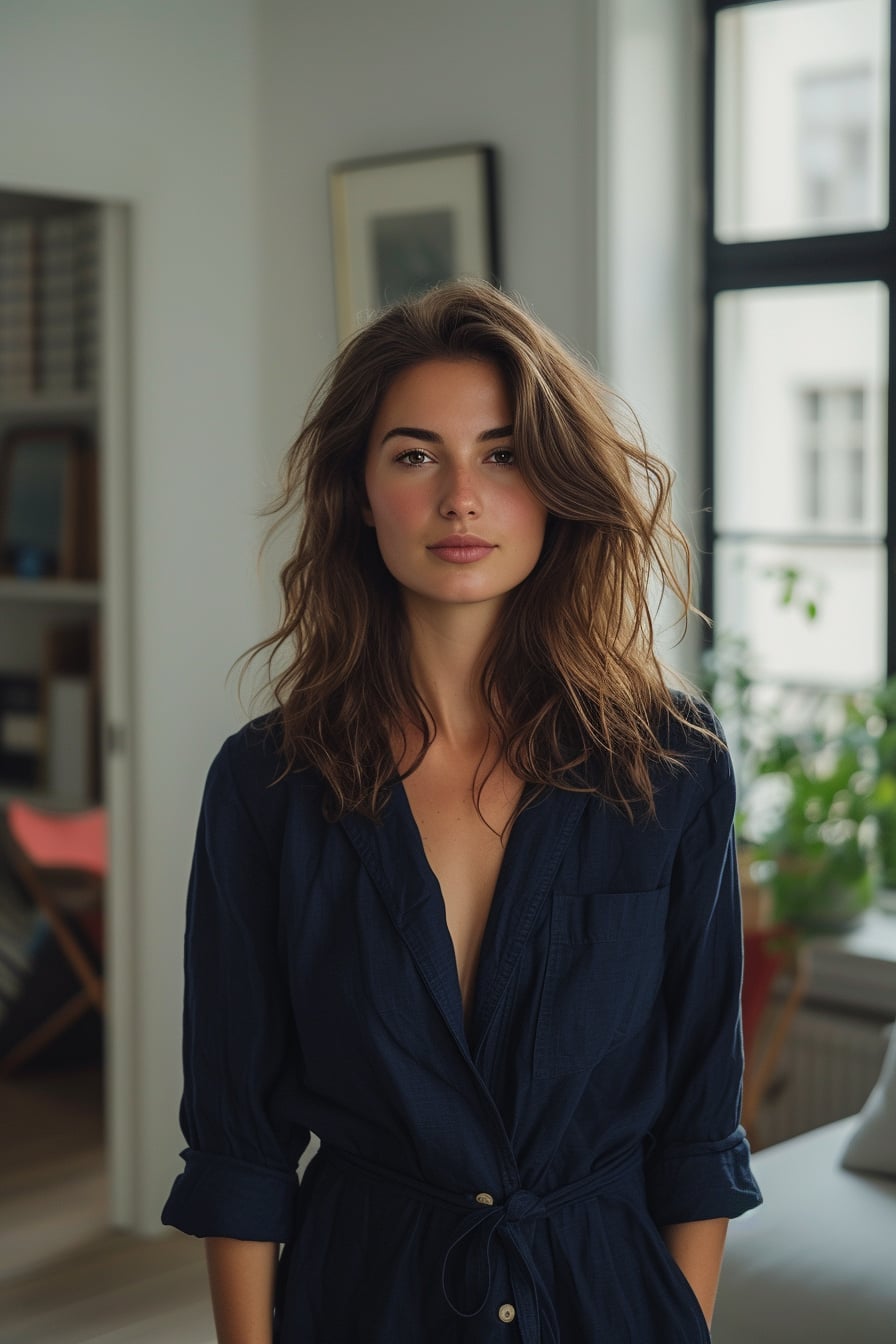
(448, 647)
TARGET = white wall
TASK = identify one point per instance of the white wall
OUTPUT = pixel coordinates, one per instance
(348, 79)
(649, 240)
(153, 103)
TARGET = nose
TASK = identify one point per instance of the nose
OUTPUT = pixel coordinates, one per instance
(460, 496)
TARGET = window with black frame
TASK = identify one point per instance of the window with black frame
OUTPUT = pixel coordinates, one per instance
(800, 264)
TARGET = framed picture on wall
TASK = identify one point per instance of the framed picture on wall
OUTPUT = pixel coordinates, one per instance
(47, 499)
(409, 221)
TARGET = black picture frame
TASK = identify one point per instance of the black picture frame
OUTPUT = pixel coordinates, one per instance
(404, 222)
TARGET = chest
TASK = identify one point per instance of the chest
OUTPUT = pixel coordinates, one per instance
(464, 847)
(541, 965)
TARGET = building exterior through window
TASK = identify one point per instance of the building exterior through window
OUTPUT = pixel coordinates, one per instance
(801, 257)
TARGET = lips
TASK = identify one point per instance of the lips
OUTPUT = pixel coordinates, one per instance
(462, 549)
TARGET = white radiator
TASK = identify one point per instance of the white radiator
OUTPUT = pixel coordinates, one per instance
(827, 1068)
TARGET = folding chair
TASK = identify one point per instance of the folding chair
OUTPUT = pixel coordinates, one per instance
(61, 858)
(769, 955)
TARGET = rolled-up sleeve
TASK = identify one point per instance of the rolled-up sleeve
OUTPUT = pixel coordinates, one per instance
(699, 1166)
(241, 1057)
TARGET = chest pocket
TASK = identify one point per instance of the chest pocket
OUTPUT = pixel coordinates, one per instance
(605, 966)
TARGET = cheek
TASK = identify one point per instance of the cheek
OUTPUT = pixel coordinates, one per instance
(395, 510)
(528, 518)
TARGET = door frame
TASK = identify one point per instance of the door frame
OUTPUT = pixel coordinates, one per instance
(116, 519)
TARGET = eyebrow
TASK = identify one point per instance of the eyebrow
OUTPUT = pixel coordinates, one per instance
(427, 435)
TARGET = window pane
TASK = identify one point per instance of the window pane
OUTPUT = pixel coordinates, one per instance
(800, 425)
(802, 92)
(766, 594)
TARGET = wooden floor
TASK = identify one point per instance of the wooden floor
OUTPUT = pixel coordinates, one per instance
(65, 1277)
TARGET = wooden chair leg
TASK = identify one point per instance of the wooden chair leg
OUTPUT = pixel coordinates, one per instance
(92, 982)
(48, 1030)
(756, 1084)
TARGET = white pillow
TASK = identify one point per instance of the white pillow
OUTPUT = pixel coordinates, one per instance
(872, 1146)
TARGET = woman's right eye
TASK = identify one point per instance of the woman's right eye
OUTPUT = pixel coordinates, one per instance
(413, 457)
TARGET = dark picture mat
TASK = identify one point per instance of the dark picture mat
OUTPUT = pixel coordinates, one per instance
(48, 502)
(411, 252)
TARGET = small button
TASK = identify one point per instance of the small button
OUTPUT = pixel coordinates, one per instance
(484, 1199)
(506, 1313)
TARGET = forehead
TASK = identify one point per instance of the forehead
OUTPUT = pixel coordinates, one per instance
(450, 390)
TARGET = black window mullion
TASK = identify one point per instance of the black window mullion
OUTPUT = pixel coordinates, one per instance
(707, 568)
(891, 480)
(826, 259)
(891, 368)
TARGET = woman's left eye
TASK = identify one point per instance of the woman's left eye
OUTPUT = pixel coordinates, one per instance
(504, 457)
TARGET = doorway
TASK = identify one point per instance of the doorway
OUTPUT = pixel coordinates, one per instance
(65, 695)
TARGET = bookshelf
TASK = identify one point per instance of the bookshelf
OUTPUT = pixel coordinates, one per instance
(51, 591)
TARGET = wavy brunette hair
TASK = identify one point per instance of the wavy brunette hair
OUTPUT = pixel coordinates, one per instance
(572, 685)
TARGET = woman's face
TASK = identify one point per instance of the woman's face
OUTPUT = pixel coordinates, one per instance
(454, 519)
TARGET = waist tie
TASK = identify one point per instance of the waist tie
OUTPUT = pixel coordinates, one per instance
(520, 1207)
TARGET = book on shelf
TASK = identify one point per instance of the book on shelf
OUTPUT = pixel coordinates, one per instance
(18, 299)
(87, 288)
(48, 309)
(49, 719)
(71, 704)
(57, 304)
(69, 724)
(21, 730)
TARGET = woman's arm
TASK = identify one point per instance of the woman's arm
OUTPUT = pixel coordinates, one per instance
(241, 1277)
(697, 1250)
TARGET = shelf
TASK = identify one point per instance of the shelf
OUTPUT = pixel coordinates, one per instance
(52, 624)
(76, 592)
(51, 404)
(39, 798)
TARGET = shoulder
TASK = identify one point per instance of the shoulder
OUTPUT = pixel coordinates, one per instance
(698, 768)
(697, 731)
(253, 754)
(250, 784)
(247, 762)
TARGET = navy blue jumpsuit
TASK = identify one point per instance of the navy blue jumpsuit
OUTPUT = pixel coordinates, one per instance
(503, 1187)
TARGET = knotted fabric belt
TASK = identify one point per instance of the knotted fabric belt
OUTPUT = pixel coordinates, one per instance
(478, 1229)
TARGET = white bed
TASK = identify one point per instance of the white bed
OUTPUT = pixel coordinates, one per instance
(816, 1263)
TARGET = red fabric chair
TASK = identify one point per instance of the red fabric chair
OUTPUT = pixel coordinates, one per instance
(769, 955)
(62, 859)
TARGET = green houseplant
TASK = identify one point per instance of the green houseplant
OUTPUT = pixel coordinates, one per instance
(817, 816)
(818, 849)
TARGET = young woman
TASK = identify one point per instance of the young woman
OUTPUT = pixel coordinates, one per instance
(464, 903)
